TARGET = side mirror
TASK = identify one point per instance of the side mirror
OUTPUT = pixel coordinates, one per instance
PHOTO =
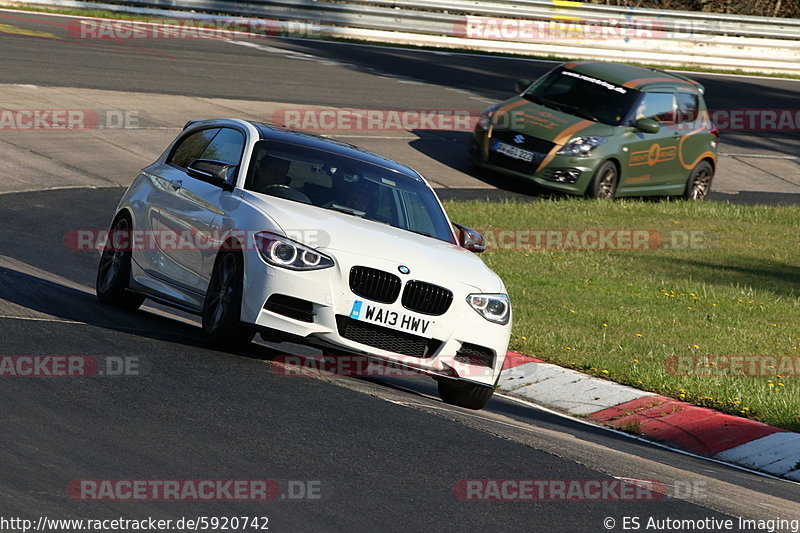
(522, 85)
(647, 125)
(215, 172)
(470, 239)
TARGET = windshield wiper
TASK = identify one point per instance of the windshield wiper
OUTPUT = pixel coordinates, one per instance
(347, 211)
(575, 110)
(355, 213)
(535, 99)
(567, 108)
(420, 233)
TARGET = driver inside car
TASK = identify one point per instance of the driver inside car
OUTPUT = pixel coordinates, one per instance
(271, 171)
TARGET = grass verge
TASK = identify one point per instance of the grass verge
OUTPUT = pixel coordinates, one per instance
(664, 320)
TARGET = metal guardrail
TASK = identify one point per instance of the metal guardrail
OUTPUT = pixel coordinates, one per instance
(385, 14)
(677, 37)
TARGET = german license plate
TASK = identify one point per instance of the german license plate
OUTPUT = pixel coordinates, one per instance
(513, 151)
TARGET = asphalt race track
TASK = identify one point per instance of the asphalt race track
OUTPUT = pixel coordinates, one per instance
(373, 455)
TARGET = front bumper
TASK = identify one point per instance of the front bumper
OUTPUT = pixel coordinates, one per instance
(555, 172)
(318, 308)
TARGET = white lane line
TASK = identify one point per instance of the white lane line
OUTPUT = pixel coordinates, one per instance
(287, 53)
(724, 75)
(762, 156)
(60, 188)
(39, 319)
(334, 136)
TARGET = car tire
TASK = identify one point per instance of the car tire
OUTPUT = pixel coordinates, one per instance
(462, 394)
(605, 181)
(699, 183)
(114, 269)
(223, 304)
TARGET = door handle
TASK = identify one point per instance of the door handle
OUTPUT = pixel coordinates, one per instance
(177, 184)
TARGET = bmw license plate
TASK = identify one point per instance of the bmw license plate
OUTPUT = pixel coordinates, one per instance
(513, 151)
(375, 314)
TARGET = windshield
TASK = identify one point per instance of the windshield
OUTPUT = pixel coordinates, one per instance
(347, 185)
(584, 96)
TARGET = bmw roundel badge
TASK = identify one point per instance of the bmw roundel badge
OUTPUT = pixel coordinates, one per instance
(404, 269)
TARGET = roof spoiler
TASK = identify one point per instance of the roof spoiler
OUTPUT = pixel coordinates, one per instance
(680, 77)
(190, 123)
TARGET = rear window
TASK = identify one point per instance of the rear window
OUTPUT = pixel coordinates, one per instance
(688, 107)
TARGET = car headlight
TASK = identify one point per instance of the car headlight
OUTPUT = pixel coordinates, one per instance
(280, 251)
(581, 145)
(492, 307)
(486, 118)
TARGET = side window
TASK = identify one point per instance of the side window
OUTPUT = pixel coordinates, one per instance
(227, 147)
(192, 147)
(688, 107)
(658, 106)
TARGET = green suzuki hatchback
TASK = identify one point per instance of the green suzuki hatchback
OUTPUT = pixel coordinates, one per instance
(603, 130)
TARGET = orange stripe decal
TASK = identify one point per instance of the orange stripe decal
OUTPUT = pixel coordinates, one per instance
(504, 109)
(562, 138)
(632, 84)
(702, 156)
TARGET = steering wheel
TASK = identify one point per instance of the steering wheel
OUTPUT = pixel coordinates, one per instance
(284, 191)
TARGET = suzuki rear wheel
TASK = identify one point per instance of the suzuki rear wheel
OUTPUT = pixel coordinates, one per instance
(699, 183)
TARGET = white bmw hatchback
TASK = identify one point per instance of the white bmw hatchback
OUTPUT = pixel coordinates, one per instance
(263, 229)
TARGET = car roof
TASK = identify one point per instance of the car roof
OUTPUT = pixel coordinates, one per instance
(279, 133)
(633, 77)
(272, 132)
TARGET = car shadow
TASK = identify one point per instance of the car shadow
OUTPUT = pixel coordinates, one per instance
(38, 296)
(454, 155)
(779, 278)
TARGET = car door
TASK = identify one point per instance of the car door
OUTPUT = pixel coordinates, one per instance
(650, 160)
(187, 219)
(161, 203)
(694, 139)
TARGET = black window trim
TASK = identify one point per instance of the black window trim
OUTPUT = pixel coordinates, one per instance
(187, 134)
